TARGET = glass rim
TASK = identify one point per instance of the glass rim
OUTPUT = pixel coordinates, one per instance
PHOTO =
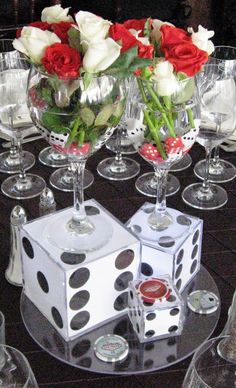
(79, 78)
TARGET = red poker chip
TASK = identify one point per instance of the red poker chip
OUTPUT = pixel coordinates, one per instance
(153, 290)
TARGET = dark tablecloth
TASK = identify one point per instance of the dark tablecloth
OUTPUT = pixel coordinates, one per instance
(122, 200)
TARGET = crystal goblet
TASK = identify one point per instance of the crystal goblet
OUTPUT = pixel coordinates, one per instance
(219, 170)
(14, 72)
(9, 161)
(213, 365)
(217, 93)
(77, 120)
(167, 135)
(15, 370)
(121, 168)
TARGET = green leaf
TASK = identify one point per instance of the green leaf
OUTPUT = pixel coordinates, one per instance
(52, 119)
(147, 28)
(104, 115)
(119, 109)
(125, 59)
(87, 116)
(87, 77)
(139, 63)
(74, 38)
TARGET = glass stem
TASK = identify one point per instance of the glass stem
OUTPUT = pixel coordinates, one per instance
(216, 155)
(118, 156)
(77, 168)
(160, 218)
(21, 165)
(79, 223)
(206, 184)
(161, 178)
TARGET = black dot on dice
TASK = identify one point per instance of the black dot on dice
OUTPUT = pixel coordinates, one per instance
(57, 317)
(149, 333)
(174, 312)
(148, 363)
(79, 300)
(178, 271)
(28, 247)
(80, 320)
(79, 277)
(42, 282)
(195, 237)
(178, 284)
(180, 256)
(72, 258)
(172, 298)
(146, 269)
(137, 327)
(194, 252)
(170, 358)
(172, 329)
(193, 266)
(150, 316)
(122, 282)
(121, 301)
(124, 259)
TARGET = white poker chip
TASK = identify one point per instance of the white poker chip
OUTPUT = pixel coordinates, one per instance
(203, 302)
(111, 348)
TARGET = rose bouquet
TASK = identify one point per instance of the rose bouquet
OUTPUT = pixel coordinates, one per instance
(70, 55)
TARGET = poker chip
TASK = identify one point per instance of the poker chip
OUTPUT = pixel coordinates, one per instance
(111, 348)
(153, 290)
(203, 302)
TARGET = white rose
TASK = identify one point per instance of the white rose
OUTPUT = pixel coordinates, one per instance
(92, 28)
(142, 39)
(201, 39)
(33, 42)
(156, 33)
(56, 14)
(99, 57)
(165, 80)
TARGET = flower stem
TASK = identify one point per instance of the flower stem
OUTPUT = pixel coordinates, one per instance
(190, 117)
(155, 134)
(161, 109)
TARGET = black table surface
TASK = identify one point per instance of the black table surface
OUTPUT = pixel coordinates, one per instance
(122, 200)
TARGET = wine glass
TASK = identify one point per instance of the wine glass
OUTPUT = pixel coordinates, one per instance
(15, 370)
(213, 364)
(9, 161)
(77, 120)
(168, 134)
(13, 86)
(147, 184)
(217, 93)
(220, 170)
(121, 168)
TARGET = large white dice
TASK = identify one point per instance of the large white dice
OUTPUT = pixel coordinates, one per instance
(156, 309)
(179, 257)
(77, 292)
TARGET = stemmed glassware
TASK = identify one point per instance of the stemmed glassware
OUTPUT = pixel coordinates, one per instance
(213, 365)
(13, 87)
(217, 93)
(219, 170)
(121, 168)
(9, 161)
(15, 370)
(170, 133)
(77, 120)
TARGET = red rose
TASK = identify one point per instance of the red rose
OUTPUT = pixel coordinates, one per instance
(136, 24)
(173, 36)
(118, 32)
(62, 60)
(180, 51)
(42, 25)
(145, 51)
(186, 58)
(61, 30)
